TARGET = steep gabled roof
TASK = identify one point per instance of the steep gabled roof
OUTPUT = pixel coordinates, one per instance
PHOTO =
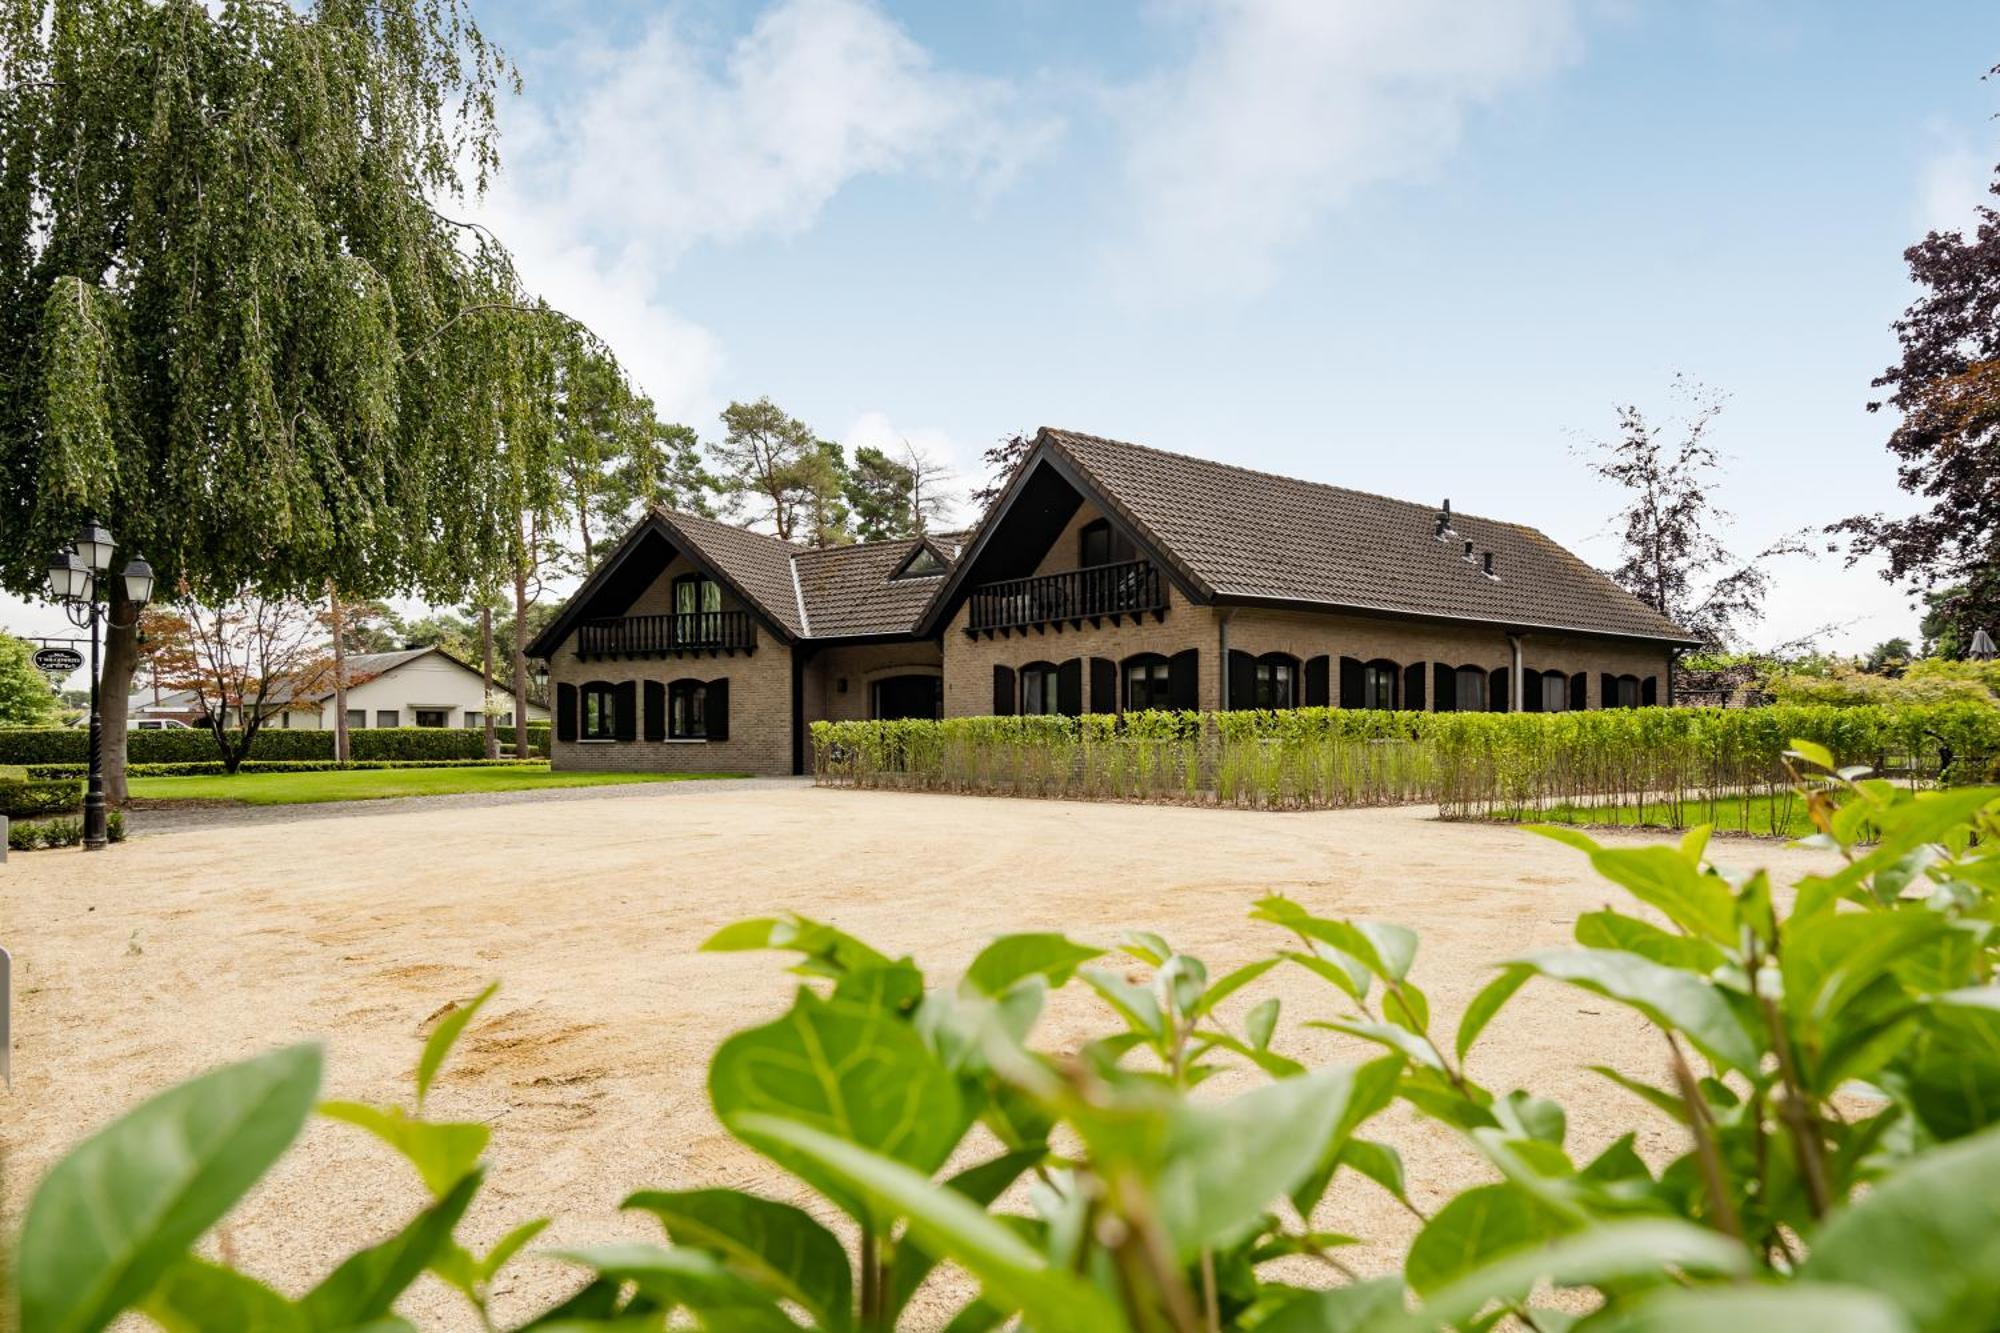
(1232, 533)
(759, 564)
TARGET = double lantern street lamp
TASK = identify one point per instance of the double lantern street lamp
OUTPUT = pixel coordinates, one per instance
(75, 577)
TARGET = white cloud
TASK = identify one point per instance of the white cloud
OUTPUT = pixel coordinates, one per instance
(651, 150)
(1285, 108)
(1952, 182)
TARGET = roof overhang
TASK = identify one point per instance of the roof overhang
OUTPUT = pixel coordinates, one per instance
(1227, 599)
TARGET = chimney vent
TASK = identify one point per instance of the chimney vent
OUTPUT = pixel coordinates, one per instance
(1489, 566)
(1447, 509)
(1468, 550)
(1443, 526)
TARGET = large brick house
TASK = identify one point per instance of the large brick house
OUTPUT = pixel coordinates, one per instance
(1107, 577)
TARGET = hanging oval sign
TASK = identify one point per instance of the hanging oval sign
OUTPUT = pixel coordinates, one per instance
(58, 661)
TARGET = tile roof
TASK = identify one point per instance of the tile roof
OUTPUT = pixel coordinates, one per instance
(1239, 532)
(851, 590)
(758, 563)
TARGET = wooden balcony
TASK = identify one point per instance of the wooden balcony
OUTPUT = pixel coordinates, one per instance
(710, 632)
(1072, 599)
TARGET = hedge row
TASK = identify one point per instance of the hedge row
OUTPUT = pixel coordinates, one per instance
(214, 767)
(63, 745)
(37, 795)
(58, 832)
(1684, 760)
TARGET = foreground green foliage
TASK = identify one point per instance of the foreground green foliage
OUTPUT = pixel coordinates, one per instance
(1688, 763)
(1831, 1076)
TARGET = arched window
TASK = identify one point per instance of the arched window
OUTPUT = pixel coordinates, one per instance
(1379, 680)
(1098, 543)
(600, 711)
(687, 710)
(1148, 682)
(1628, 691)
(1039, 688)
(1555, 692)
(1471, 691)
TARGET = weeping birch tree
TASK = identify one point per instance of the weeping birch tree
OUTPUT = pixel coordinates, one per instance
(237, 323)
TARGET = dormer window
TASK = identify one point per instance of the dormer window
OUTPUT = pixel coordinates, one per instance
(1101, 545)
(923, 565)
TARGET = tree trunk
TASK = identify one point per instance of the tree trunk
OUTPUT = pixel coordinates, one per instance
(486, 671)
(338, 624)
(121, 661)
(520, 663)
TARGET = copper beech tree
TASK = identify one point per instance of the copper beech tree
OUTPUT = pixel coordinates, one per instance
(246, 659)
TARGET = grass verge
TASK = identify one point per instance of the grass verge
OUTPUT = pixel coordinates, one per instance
(380, 784)
(1782, 816)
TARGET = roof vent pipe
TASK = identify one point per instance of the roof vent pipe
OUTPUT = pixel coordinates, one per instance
(1489, 566)
(1443, 526)
(1468, 551)
(1447, 509)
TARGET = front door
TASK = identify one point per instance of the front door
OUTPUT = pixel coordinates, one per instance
(908, 696)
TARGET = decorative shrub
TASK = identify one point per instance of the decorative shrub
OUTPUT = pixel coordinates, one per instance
(43, 833)
(1821, 1141)
(71, 745)
(407, 743)
(215, 768)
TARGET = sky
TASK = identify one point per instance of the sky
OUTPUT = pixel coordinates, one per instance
(1424, 248)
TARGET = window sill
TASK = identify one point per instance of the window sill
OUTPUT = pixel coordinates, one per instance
(596, 740)
(683, 740)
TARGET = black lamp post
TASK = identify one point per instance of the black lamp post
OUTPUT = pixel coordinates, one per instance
(74, 577)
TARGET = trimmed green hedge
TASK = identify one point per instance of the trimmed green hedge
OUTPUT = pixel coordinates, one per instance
(35, 795)
(1474, 765)
(71, 745)
(214, 767)
(58, 832)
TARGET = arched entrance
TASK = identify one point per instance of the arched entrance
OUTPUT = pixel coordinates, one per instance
(894, 697)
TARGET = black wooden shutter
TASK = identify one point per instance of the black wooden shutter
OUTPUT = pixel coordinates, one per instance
(565, 712)
(1069, 688)
(1413, 687)
(1447, 688)
(1649, 691)
(1496, 690)
(1350, 683)
(1184, 680)
(656, 711)
(716, 709)
(1531, 691)
(1242, 692)
(1579, 691)
(1103, 685)
(1319, 691)
(1003, 691)
(1607, 690)
(625, 711)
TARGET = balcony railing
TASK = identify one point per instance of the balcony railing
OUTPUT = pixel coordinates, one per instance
(663, 636)
(1103, 592)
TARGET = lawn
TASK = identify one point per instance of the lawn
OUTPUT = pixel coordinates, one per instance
(1766, 816)
(374, 784)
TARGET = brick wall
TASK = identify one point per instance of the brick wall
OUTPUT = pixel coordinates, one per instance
(860, 665)
(969, 663)
(760, 701)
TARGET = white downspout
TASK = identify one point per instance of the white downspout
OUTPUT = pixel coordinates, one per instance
(1514, 692)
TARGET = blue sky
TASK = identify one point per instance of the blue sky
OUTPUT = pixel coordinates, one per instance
(1420, 248)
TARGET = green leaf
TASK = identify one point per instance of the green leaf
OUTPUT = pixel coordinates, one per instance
(982, 1183)
(1812, 752)
(114, 1214)
(1013, 1275)
(1615, 930)
(1362, 1091)
(1231, 983)
(1514, 1259)
(1339, 969)
(1928, 1237)
(1013, 957)
(1261, 1022)
(1358, 1307)
(1492, 997)
(195, 1296)
(1385, 950)
(1473, 1229)
(1379, 1162)
(1134, 1003)
(1662, 877)
(1739, 1309)
(443, 1037)
(1665, 1101)
(368, 1282)
(442, 1153)
(1831, 958)
(688, 1279)
(860, 1073)
(1527, 1116)
(778, 1247)
(1674, 999)
(829, 952)
(1398, 1039)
